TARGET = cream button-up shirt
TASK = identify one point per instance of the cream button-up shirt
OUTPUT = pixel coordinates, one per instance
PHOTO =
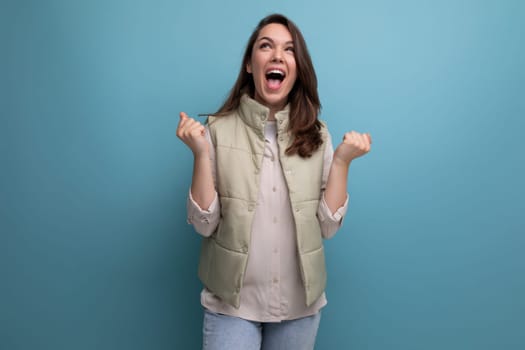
(272, 290)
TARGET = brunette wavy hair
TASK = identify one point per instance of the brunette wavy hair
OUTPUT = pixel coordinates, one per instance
(303, 98)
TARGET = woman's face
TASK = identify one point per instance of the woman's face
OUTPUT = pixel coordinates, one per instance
(272, 66)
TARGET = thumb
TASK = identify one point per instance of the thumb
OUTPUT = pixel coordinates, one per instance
(183, 116)
(369, 137)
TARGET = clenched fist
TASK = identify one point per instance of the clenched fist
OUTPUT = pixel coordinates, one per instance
(354, 145)
(192, 132)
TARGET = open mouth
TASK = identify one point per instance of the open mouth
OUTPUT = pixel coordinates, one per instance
(275, 78)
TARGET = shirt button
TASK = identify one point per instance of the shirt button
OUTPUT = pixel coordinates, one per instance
(275, 280)
(274, 189)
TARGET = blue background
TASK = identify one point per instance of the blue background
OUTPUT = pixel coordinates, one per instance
(95, 252)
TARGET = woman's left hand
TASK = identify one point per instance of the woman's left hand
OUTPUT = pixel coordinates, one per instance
(354, 145)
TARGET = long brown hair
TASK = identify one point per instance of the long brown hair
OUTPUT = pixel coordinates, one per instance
(303, 98)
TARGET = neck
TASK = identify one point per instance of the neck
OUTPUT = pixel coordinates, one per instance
(274, 110)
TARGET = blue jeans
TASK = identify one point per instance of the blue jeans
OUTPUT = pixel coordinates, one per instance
(222, 332)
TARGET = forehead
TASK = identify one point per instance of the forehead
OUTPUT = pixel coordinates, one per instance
(276, 32)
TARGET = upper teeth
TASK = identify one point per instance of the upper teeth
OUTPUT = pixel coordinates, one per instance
(276, 71)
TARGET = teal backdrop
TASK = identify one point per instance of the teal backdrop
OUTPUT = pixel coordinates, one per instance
(95, 251)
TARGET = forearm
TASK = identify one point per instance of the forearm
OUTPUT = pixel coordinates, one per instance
(336, 186)
(354, 145)
(202, 187)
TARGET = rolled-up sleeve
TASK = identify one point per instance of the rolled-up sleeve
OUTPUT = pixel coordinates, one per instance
(330, 222)
(204, 221)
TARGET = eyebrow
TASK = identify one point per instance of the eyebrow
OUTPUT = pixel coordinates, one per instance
(271, 40)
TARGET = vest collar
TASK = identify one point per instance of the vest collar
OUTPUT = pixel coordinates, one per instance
(255, 114)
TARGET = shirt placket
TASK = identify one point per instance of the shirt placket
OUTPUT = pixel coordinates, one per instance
(275, 261)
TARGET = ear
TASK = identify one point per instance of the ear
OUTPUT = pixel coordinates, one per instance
(249, 67)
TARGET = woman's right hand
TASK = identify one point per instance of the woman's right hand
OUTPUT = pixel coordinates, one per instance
(192, 133)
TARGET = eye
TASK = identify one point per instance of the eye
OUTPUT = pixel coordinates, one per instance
(264, 45)
(290, 49)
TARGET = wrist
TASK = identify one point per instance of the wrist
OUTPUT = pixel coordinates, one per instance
(200, 154)
(341, 163)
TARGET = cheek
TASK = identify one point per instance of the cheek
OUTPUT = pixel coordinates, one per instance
(294, 75)
(256, 70)
(257, 77)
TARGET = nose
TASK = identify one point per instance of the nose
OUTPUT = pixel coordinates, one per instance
(277, 55)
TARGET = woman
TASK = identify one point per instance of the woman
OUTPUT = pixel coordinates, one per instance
(266, 188)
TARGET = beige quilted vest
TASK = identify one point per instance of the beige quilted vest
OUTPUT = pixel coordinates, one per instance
(239, 145)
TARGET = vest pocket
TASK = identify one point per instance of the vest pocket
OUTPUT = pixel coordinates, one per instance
(314, 274)
(309, 236)
(234, 229)
(221, 271)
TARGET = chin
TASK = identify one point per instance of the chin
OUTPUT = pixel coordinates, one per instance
(276, 101)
